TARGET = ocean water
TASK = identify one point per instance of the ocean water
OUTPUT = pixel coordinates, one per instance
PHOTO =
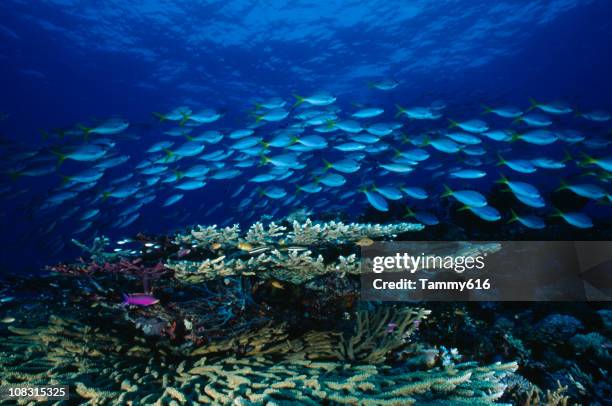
(138, 120)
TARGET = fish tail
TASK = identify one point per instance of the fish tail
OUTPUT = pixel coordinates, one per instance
(587, 160)
(447, 191)
(330, 123)
(517, 120)
(371, 84)
(189, 137)
(515, 136)
(169, 154)
(562, 185)
(463, 208)
(486, 109)
(160, 116)
(567, 156)
(178, 174)
(60, 157)
(513, 217)
(502, 179)
(501, 161)
(65, 178)
(453, 124)
(126, 299)
(556, 212)
(397, 152)
(328, 165)
(105, 195)
(44, 134)
(86, 130)
(258, 118)
(577, 113)
(400, 110)
(409, 213)
(264, 160)
(298, 100)
(534, 104)
(185, 118)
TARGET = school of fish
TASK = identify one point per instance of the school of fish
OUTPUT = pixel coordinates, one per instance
(305, 151)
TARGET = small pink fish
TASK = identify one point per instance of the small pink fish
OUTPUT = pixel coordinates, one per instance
(139, 299)
(391, 328)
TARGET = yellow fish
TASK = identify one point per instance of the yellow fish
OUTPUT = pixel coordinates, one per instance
(365, 242)
(278, 285)
(245, 246)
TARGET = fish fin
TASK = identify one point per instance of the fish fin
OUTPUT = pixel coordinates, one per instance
(534, 104)
(65, 178)
(502, 179)
(562, 185)
(400, 110)
(463, 208)
(447, 191)
(409, 213)
(514, 217)
(501, 161)
(160, 116)
(60, 157)
(185, 118)
(299, 100)
(169, 154)
(486, 110)
(264, 160)
(453, 124)
(86, 130)
(556, 212)
(587, 160)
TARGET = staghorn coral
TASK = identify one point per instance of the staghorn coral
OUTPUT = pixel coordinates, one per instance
(295, 255)
(301, 234)
(262, 366)
(380, 332)
(291, 265)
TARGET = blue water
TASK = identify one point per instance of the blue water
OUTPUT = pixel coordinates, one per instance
(67, 62)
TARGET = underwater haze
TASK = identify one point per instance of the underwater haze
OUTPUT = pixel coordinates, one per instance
(98, 96)
(70, 65)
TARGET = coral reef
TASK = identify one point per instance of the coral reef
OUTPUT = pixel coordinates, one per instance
(104, 365)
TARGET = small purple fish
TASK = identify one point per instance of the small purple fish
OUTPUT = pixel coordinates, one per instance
(139, 299)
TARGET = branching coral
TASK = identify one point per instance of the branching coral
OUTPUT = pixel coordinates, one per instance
(104, 367)
(301, 234)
